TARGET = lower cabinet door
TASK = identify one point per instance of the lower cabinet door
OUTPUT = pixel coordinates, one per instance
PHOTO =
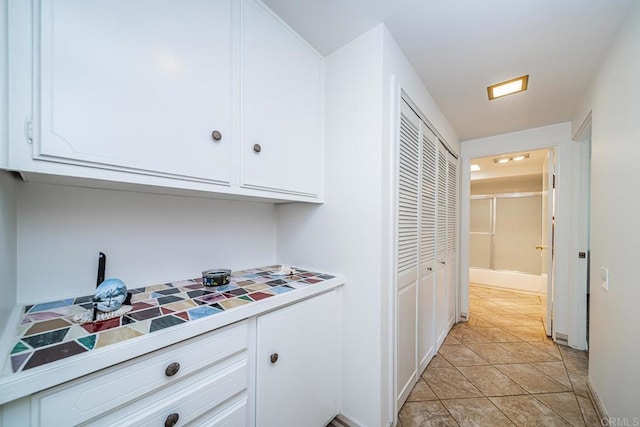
(297, 364)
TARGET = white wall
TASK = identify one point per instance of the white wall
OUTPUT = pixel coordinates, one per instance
(397, 65)
(4, 82)
(614, 366)
(558, 136)
(343, 234)
(7, 190)
(351, 233)
(398, 74)
(147, 238)
(8, 224)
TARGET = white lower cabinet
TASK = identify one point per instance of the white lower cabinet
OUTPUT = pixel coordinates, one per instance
(277, 369)
(232, 415)
(297, 364)
(172, 386)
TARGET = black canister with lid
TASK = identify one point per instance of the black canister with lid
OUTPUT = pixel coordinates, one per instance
(216, 277)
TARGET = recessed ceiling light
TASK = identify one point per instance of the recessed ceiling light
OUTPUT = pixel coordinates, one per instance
(475, 168)
(515, 158)
(509, 87)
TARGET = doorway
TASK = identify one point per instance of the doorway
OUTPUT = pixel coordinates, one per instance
(570, 220)
(511, 224)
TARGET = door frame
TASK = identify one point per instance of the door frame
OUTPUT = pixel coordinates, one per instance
(555, 136)
(578, 336)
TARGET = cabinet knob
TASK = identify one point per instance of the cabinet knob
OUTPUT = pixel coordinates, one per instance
(171, 420)
(172, 369)
(274, 358)
(216, 135)
(257, 148)
(429, 269)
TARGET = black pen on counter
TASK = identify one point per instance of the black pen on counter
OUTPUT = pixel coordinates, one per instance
(102, 263)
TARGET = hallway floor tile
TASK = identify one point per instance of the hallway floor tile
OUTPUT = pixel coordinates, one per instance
(500, 369)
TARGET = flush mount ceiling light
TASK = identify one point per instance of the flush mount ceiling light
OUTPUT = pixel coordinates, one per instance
(515, 158)
(509, 87)
(475, 168)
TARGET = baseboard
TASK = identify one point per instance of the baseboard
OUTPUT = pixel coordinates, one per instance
(501, 288)
(562, 339)
(597, 402)
(345, 421)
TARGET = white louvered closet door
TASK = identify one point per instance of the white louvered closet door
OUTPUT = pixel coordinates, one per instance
(426, 296)
(407, 249)
(452, 241)
(441, 303)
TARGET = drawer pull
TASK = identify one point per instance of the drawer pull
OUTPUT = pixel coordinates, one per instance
(216, 135)
(257, 148)
(171, 420)
(274, 358)
(172, 369)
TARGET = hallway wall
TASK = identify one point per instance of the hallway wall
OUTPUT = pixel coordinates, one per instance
(615, 208)
(8, 238)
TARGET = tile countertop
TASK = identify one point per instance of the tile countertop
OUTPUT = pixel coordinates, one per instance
(49, 348)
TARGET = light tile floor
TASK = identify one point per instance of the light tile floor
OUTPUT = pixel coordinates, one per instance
(500, 369)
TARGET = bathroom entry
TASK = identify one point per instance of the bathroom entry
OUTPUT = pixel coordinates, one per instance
(511, 224)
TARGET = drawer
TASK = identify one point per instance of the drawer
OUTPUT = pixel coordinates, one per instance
(188, 399)
(85, 398)
(232, 414)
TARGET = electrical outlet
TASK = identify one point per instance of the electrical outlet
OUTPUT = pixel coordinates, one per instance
(604, 278)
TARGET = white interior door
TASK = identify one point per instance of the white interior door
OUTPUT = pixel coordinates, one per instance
(442, 304)
(426, 290)
(546, 245)
(407, 251)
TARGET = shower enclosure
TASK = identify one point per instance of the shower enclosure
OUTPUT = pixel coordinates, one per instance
(505, 243)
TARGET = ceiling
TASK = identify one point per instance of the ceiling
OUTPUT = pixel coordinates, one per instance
(490, 169)
(459, 47)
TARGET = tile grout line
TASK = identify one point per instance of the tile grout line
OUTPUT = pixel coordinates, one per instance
(513, 319)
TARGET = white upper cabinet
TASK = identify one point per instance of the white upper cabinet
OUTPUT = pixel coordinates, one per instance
(136, 84)
(282, 103)
(168, 94)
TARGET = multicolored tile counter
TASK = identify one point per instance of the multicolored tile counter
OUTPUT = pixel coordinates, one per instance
(46, 334)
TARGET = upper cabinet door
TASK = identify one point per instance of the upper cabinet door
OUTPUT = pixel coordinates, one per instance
(282, 106)
(136, 85)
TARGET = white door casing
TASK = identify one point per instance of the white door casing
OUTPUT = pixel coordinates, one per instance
(546, 245)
